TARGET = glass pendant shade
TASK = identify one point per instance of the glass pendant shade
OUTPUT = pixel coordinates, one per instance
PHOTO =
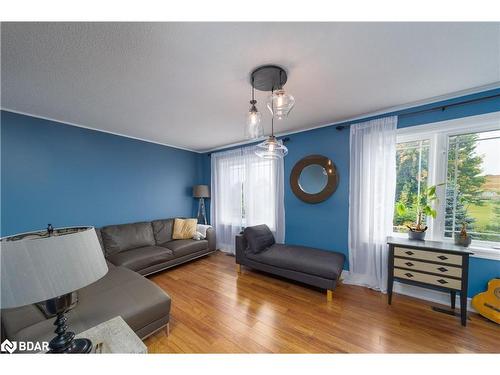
(271, 148)
(253, 128)
(280, 104)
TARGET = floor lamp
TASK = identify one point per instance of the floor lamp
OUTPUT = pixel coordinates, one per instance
(201, 192)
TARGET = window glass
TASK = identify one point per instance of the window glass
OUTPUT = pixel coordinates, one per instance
(473, 185)
(412, 171)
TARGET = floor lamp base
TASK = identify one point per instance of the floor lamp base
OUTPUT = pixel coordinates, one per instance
(201, 211)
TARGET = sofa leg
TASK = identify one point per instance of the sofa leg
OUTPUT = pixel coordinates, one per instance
(168, 329)
(329, 295)
(238, 268)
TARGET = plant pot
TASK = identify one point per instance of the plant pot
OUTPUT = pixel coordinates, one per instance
(420, 236)
(462, 241)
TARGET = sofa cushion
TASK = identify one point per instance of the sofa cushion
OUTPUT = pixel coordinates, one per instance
(120, 292)
(124, 237)
(18, 318)
(259, 238)
(327, 264)
(184, 247)
(142, 257)
(162, 230)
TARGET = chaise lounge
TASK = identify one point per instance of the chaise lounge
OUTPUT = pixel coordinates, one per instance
(256, 248)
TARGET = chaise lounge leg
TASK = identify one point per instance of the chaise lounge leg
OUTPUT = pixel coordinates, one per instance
(168, 329)
(238, 268)
(329, 295)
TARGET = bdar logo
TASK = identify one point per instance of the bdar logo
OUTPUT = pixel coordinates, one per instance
(8, 346)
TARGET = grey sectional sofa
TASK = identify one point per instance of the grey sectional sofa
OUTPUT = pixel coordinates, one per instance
(131, 251)
(148, 247)
(256, 248)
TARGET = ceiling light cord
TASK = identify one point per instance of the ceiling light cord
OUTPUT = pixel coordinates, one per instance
(272, 113)
(253, 91)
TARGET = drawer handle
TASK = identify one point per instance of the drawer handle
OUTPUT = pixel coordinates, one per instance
(441, 281)
(442, 257)
(409, 264)
(408, 274)
(442, 269)
(409, 252)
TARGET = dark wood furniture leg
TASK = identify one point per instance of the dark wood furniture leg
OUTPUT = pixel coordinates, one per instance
(463, 308)
(453, 297)
(463, 292)
(390, 274)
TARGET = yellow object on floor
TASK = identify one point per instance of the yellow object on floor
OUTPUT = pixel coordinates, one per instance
(488, 303)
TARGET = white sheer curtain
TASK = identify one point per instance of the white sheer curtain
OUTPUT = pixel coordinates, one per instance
(246, 190)
(372, 184)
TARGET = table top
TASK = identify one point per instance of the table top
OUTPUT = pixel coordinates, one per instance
(114, 336)
(429, 245)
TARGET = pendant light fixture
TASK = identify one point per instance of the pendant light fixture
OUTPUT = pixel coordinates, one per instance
(253, 128)
(280, 104)
(272, 148)
(269, 78)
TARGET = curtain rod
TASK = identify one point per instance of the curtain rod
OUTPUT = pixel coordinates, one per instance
(433, 109)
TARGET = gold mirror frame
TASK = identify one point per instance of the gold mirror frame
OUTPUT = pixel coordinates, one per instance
(331, 185)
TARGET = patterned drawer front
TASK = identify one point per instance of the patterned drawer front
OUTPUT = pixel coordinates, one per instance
(428, 267)
(428, 279)
(428, 255)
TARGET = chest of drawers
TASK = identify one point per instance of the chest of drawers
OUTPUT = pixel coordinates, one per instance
(430, 264)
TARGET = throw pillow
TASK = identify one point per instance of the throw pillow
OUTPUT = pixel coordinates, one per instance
(259, 238)
(202, 228)
(198, 236)
(184, 229)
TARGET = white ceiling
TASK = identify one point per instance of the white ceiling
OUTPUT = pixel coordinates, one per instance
(187, 84)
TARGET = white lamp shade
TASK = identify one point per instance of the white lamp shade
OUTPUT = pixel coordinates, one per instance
(36, 268)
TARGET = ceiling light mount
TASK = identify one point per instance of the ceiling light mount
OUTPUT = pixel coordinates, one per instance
(268, 78)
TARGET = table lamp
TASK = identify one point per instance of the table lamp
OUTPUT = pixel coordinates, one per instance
(48, 266)
(201, 192)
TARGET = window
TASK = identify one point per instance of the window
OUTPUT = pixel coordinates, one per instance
(247, 184)
(412, 171)
(464, 156)
(473, 185)
(246, 190)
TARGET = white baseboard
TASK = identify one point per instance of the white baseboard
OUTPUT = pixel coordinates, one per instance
(425, 294)
(430, 295)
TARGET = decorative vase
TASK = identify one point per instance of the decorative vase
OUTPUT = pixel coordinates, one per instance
(414, 235)
(462, 241)
(462, 238)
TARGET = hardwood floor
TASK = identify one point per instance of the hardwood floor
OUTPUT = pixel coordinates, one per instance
(215, 310)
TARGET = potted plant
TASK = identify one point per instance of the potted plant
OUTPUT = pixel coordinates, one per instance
(423, 203)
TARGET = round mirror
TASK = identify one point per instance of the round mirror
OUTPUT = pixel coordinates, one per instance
(314, 178)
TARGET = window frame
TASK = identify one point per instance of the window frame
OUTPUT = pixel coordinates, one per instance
(438, 134)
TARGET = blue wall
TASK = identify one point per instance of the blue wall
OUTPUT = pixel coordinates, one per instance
(325, 225)
(65, 175)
